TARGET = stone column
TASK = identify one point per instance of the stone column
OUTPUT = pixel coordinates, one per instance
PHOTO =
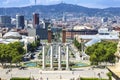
(67, 57)
(43, 57)
(49, 35)
(63, 35)
(59, 57)
(51, 57)
(25, 45)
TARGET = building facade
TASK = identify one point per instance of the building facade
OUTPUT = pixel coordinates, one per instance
(35, 19)
(20, 21)
(42, 31)
(72, 33)
(5, 20)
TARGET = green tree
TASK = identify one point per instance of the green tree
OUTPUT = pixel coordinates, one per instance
(37, 42)
(3, 55)
(11, 53)
(102, 52)
(77, 44)
(32, 47)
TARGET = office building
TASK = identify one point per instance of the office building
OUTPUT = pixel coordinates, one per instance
(31, 32)
(35, 19)
(20, 21)
(5, 20)
(42, 30)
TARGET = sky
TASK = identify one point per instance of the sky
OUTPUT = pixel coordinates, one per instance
(85, 3)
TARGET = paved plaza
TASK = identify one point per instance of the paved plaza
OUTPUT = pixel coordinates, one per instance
(38, 74)
(41, 74)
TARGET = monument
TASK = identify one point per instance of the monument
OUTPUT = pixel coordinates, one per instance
(58, 46)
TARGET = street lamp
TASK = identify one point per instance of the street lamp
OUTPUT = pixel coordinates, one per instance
(30, 74)
(11, 75)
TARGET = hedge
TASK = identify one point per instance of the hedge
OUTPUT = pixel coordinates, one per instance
(20, 79)
(91, 79)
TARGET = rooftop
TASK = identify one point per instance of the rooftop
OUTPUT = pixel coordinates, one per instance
(107, 37)
(81, 27)
(12, 35)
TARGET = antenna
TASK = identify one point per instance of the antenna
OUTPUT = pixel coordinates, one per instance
(35, 2)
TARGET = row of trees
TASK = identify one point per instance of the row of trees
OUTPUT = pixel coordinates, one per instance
(32, 46)
(102, 52)
(11, 53)
(77, 44)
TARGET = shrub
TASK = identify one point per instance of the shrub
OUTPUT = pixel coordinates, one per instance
(20, 79)
(109, 75)
(91, 79)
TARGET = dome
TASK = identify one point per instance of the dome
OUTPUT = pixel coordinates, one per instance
(13, 35)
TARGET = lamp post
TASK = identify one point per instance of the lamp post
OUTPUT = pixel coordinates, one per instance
(11, 75)
(30, 74)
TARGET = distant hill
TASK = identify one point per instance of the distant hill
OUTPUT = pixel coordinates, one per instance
(58, 10)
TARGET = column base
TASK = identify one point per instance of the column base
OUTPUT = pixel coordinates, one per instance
(44, 69)
(52, 69)
(60, 69)
(68, 69)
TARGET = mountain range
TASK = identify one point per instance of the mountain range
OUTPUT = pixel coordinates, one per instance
(57, 10)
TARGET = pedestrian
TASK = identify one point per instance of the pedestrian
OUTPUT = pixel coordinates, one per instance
(99, 74)
(60, 77)
(41, 78)
(73, 72)
(40, 72)
(7, 72)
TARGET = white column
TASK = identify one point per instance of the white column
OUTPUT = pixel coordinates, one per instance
(43, 57)
(67, 57)
(59, 57)
(51, 57)
(25, 45)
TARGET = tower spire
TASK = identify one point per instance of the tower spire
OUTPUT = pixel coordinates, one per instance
(35, 2)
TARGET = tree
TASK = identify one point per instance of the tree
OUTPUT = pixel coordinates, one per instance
(77, 44)
(11, 53)
(102, 52)
(37, 42)
(3, 56)
(32, 46)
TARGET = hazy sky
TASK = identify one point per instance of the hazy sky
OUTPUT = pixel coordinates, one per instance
(86, 3)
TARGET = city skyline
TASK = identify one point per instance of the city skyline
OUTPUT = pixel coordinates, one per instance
(85, 3)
